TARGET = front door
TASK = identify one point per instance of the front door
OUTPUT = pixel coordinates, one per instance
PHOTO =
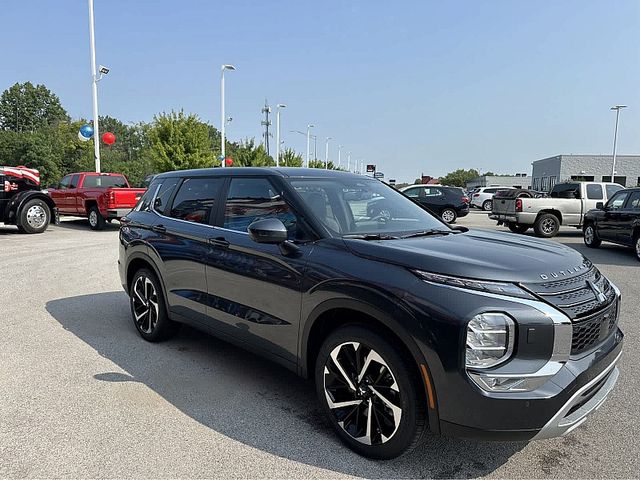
(629, 216)
(255, 289)
(609, 226)
(59, 194)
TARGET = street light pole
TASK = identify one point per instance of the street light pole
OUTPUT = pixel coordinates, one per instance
(222, 114)
(278, 107)
(339, 152)
(348, 161)
(326, 153)
(94, 90)
(309, 127)
(617, 108)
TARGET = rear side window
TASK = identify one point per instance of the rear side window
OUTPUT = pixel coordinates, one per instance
(414, 192)
(104, 181)
(164, 195)
(594, 192)
(490, 190)
(196, 199)
(145, 201)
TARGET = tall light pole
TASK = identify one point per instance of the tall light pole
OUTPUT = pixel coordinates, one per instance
(617, 108)
(278, 107)
(309, 127)
(339, 152)
(222, 115)
(348, 161)
(94, 89)
(326, 153)
(361, 167)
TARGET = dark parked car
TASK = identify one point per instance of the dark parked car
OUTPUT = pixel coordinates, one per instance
(405, 324)
(618, 221)
(448, 203)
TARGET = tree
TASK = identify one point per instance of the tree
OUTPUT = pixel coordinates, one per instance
(27, 108)
(289, 158)
(178, 141)
(459, 178)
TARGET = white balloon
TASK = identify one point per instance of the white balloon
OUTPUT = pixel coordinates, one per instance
(82, 138)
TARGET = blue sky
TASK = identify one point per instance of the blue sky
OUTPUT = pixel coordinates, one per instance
(413, 86)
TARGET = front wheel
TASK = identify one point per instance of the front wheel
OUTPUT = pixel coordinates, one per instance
(637, 246)
(591, 238)
(34, 217)
(487, 205)
(449, 215)
(370, 392)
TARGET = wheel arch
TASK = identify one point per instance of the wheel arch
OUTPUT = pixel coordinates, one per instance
(137, 261)
(22, 198)
(552, 211)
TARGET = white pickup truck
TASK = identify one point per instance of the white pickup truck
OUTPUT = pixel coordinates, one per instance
(566, 205)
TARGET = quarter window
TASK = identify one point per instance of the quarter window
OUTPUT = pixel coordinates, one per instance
(196, 199)
(251, 199)
(594, 192)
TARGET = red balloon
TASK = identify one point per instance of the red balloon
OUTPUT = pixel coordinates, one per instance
(228, 162)
(108, 138)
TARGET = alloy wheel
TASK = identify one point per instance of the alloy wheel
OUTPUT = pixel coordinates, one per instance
(362, 393)
(638, 247)
(36, 216)
(488, 205)
(589, 235)
(548, 226)
(93, 218)
(448, 216)
(145, 304)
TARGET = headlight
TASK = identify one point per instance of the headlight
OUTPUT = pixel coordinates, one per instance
(490, 339)
(499, 288)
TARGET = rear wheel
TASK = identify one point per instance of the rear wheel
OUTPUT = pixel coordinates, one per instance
(449, 215)
(518, 228)
(547, 225)
(371, 393)
(34, 216)
(637, 246)
(487, 205)
(148, 308)
(591, 238)
(96, 220)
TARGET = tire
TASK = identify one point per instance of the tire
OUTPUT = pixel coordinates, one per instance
(96, 220)
(547, 225)
(518, 228)
(449, 215)
(34, 216)
(148, 308)
(487, 205)
(403, 407)
(591, 237)
(636, 247)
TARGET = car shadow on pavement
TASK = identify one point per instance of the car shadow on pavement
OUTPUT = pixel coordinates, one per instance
(83, 224)
(250, 400)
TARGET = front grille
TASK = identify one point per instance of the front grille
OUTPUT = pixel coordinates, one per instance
(593, 319)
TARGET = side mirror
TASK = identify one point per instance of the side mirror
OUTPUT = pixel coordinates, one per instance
(600, 206)
(268, 230)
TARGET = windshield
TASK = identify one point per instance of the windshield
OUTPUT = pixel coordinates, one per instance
(348, 206)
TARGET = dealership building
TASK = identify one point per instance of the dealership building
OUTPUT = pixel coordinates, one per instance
(589, 168)
(519, 180)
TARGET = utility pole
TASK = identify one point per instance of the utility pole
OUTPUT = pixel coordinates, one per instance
(266, 123)
(617, 108)
(94, 89)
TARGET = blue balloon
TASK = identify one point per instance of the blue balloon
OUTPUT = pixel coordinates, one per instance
(86, 131)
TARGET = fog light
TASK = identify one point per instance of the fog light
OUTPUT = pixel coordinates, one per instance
(490, 339)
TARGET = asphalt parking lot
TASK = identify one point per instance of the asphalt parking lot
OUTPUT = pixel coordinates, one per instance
(82, 395)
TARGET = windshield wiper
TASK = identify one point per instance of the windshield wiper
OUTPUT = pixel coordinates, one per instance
(427, 233)
(370, 236)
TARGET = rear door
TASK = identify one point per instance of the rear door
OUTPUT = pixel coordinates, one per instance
(255, 289)
(71, 196)
(180, 241)
(609, 225)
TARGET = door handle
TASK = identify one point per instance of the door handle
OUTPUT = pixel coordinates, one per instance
(159, 228)
(219, 242)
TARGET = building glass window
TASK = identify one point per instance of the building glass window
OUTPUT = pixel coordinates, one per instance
(545, 184)
(536, 184)
(552, 181)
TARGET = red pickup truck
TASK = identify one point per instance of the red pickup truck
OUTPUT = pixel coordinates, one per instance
(100, 197)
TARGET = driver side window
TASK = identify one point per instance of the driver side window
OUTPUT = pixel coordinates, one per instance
(617, 202)
(65, 182)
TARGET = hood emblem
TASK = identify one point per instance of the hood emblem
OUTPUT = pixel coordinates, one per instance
(600, 296)
(563, 273)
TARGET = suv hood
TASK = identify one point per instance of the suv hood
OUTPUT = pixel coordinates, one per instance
(478, 254)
